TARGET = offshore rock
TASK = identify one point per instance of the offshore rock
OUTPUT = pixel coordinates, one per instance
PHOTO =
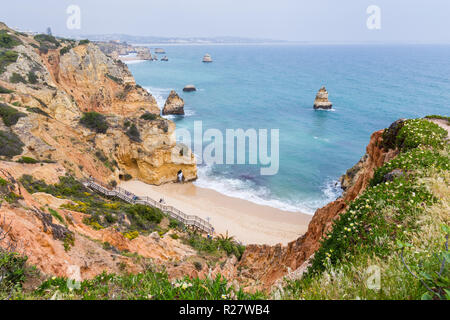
(322, 101)
(174, 105)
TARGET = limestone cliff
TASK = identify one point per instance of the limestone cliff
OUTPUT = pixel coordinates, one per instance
(53, 82)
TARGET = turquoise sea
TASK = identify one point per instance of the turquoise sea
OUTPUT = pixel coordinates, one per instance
(274, 86)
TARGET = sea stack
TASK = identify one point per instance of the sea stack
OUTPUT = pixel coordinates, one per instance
(189, 88)
(174, 105)
(322, 101)
(164, 58)
(207, 58)
(144, 54)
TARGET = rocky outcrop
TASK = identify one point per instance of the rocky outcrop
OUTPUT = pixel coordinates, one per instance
(174, 105)
(144, 54)
(155, 158)
(98, 83)
(189, 88)
(207, 58)
(322, 101)
(160, 51)
(84, 79)
(267, 264)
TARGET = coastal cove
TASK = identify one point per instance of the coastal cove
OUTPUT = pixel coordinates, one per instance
(247, 222)
(370, 86)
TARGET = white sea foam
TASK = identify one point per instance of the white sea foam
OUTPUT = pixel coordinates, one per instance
(134, 61)
(322, 139)
(160, 95)
(246, 190)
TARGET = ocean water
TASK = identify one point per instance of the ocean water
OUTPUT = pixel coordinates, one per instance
(274, 86)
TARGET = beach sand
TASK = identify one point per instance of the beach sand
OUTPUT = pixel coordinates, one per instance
(248, 222)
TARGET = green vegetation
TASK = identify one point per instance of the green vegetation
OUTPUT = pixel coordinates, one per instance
(27, 160)
(144, 217)
(83, 42)
(418, 132)
(103, 158)
(439, 118)
(32, 77)
(8, 41)
(65, 50)
(47, 42)
(131, 235)
(6, 58)
(149, 116)
(102, 212)
(149, 285)
(17, 78)
(398, 225)
(10, 144)
(4, 90)
(38, 111)
(115, 79)
(95, 122)
(56, 215)
(10, 115)
(7, 193)
(133, 133)
(218, 245)
(12, 271)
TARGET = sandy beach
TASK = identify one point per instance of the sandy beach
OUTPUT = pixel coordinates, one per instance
(248, 222)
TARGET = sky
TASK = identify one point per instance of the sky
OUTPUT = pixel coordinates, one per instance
(294, 20)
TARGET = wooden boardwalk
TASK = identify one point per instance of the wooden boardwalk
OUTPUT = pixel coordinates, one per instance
(187, 220)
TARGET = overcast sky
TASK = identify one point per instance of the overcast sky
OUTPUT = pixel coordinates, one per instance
(295, 20)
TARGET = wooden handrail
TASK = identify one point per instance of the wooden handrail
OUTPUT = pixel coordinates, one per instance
(173, 212)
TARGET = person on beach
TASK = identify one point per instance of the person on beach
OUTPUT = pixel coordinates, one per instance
(180, 176)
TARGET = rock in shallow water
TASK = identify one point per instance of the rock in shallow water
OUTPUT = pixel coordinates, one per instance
(207, 58)
(322, 101)
(189, 88)
(174, 104)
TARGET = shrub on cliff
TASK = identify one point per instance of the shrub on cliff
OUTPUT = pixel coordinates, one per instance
(10, 144)
(27, 160)
(6, 58)
(8, 41)
(38, 111)
(142, 215)
(133, 133)
(48, 41)
(65, 50)
(4, 90)
(17, 78)
(95, 122)
(32, 78)
(149, 116)
(10, 115)
(12, 271)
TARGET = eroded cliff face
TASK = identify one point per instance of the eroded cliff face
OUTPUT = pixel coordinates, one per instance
(98, 83)
(58, 84)
(41, 237)
(264, 265)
